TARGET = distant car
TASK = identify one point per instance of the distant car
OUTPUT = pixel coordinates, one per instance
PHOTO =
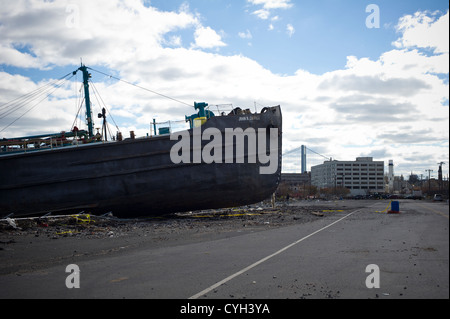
(413, 197)
(437, 198)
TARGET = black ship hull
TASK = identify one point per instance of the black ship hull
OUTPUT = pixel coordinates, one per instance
(137, 177)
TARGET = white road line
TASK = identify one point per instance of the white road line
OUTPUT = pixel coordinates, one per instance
(203, 292)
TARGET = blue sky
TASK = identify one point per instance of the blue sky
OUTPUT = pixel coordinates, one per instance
(316, 44)
(320, 26)
(346, 90)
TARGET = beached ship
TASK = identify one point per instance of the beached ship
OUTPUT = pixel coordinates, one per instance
(79, 171)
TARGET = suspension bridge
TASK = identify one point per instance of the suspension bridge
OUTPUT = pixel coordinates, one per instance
(300, 159)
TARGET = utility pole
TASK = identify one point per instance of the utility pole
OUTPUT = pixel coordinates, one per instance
(429, 181)
(440, 175)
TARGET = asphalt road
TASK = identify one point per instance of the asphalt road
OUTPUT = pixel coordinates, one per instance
(321, 259)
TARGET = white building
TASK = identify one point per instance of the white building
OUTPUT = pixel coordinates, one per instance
(361, 177)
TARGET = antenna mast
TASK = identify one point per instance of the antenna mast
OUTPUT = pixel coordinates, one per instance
(90, 122)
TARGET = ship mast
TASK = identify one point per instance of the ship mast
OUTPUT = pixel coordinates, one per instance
(90, 122)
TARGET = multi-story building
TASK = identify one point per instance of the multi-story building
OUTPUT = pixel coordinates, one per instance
(361, 177)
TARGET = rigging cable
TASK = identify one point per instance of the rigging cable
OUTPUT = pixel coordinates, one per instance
(140, 87)
(102, 104)
(20, 102)
(76, 116)
(97, 95)
(17, 103)
(62, 80)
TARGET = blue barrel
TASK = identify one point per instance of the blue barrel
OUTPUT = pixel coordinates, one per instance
(395, 206)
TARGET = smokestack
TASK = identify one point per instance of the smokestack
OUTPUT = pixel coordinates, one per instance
(391, 176)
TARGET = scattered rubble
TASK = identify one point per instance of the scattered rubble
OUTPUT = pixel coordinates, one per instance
(107, 226)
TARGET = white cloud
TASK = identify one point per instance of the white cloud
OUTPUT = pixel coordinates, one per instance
(174, 40)
(424, 31)
(207, 38)
(59, 32)
(12, 56)
(262, 14)
(245, 35)
(272, 4)
(290, 30)
(268, 6)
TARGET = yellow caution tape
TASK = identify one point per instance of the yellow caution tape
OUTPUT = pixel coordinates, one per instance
(67, 232)
(384, 211)
(80, 220)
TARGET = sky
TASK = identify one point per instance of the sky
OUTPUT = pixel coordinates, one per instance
(353, 78)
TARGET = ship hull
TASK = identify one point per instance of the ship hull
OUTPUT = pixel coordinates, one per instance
(137, 177)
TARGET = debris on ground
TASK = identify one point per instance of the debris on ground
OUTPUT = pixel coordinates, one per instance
(108, 226)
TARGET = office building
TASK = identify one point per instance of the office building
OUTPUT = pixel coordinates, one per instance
(363, 176)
